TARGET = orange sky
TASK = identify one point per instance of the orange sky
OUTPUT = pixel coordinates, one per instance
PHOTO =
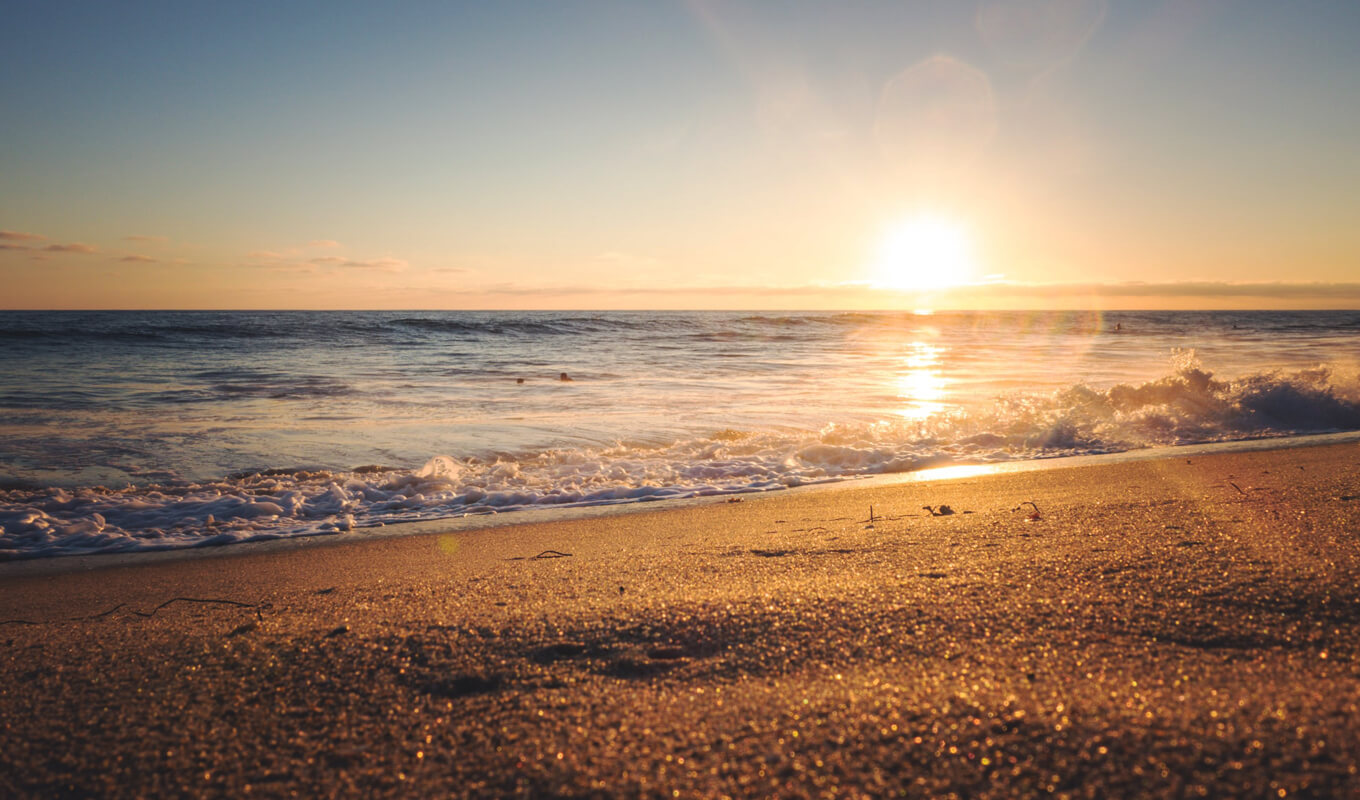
(688, 155)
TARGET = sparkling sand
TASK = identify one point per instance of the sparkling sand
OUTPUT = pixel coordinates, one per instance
(1173, 627)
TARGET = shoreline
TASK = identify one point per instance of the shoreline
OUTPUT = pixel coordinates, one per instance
(1180, 625)
(49, 565)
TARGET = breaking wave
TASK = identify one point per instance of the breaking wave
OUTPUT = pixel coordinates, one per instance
(1187, 406)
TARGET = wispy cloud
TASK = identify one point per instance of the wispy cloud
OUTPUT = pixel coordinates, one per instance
(323, 243)
(1208, 289)
(383, 264)
(74, 247)
(16, 236)
(996, 292)
(4, 246)
(137, 238)
(139, 259)
(286, 261)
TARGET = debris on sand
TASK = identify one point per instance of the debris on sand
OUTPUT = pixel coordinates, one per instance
(553, 554)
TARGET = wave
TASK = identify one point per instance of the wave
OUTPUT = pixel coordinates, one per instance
(150, 328)
(283, 328)
(519, 325)
(259, 330)
(1189, 405)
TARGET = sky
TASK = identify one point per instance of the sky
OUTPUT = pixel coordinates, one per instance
(701, 154)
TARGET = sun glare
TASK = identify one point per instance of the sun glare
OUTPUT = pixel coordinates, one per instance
(924, 253)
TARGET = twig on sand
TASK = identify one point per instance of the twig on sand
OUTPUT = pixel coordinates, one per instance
(258, 607)
(544, 554)
(204, 601)
(1034, 516)
(942, 511)
(1239, 489)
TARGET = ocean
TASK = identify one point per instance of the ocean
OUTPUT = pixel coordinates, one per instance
(141, 430)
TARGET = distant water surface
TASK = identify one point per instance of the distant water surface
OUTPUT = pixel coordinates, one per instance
(140, 430)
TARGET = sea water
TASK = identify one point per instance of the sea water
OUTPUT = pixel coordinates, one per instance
(126, 431)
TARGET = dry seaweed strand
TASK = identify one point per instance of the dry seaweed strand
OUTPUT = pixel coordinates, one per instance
(258, 608)
(544, 554)
(1034, 516)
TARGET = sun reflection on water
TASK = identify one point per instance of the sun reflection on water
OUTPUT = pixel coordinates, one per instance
(921, 385)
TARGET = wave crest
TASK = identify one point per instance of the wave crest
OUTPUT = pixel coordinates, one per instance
(1188, 405)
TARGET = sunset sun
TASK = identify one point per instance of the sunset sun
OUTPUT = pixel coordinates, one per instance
(924, 252)
(713, 398)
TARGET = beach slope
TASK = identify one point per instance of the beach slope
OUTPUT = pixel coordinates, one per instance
(1172, 627)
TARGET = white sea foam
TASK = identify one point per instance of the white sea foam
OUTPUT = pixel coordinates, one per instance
(1188, 405)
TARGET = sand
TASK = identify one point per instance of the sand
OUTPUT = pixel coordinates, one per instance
(1174, 627)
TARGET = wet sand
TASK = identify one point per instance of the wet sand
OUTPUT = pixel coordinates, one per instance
(1165, 628)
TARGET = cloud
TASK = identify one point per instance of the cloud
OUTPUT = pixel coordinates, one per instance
(16, 236)
(270, 254)
(74, 247)
(323, 243)
(994, 292)
(383, 264)
(139, 259)
(1263, 289)
(4, 246)
(451, 270)
(136, 238)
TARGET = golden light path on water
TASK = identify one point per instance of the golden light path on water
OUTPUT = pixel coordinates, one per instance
(925, 370)
(921, 385)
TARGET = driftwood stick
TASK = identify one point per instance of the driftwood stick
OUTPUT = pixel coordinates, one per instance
(258, 607)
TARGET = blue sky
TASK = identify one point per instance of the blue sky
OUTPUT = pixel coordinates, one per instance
(593, 154)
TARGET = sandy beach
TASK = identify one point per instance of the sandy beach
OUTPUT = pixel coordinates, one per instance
(1178, 627)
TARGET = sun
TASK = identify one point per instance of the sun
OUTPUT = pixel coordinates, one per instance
(922, 253)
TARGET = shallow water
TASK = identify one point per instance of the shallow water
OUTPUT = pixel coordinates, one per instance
(138, 430)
